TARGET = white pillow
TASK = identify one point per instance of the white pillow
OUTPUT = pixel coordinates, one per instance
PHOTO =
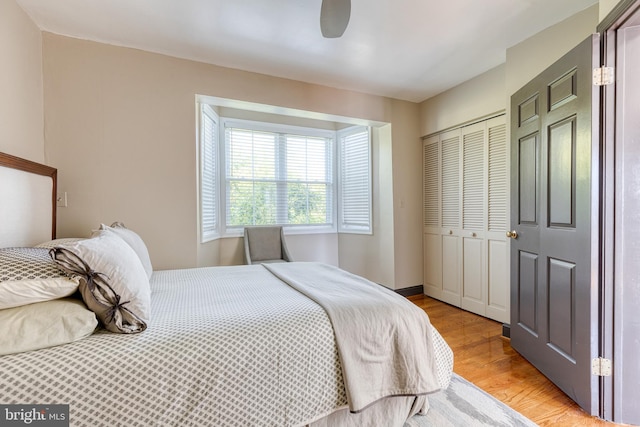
(113, 282)
(44, 324)
(133, 240)
(29, 275)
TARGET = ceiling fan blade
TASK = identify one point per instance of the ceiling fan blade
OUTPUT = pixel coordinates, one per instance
(334, 17)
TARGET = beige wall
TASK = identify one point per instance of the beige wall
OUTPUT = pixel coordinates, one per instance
(407, 195)
(470, 100)
(527, 59)
(606, 6)
(491, 91)
(362, 248)
(121, 128)
(21, 111)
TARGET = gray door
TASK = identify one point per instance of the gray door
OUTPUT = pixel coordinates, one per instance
(554, 204)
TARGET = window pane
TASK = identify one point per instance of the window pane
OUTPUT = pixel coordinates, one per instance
(307, 204)
(278, 177)
(317, 161)
(251, 203)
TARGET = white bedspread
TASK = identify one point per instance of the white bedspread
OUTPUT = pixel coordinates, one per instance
(226, 346)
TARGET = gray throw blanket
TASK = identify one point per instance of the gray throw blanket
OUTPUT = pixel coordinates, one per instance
(384, 341)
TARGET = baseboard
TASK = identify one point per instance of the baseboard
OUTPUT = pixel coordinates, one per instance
(411, 291)
(506, 330)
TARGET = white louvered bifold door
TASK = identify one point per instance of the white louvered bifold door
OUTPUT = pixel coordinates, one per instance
(450, 194)
(497, 175)
(473, 197)
(431, 184)
(450, 199)
(432, 240)
(466, 202)
(497, 306)
(473, 218)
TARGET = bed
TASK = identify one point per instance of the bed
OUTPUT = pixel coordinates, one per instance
(293, 344)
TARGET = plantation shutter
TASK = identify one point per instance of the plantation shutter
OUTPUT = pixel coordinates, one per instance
(355, 180)
(209, 175)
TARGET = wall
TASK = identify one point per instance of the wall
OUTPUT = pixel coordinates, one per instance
(482, 95)
(491, 91)
(407, 195)
(21, 104)
(362, 248)
(606, 6)
(527, 59)
(121, 128)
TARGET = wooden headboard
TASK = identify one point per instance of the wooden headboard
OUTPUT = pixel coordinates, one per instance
(27, 201)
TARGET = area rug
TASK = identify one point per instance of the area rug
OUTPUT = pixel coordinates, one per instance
(465, 405)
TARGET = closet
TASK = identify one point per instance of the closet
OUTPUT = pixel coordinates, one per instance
(465, 173)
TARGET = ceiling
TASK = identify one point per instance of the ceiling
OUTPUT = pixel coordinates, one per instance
(404, 49)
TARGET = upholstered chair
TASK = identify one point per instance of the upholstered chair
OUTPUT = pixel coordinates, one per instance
(265, 244)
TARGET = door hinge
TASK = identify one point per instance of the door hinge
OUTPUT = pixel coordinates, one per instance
(601, 367)
(603, 76)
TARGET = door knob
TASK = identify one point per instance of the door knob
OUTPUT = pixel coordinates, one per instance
(512, 234)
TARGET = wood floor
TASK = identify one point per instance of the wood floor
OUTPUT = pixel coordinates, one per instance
(484, 357)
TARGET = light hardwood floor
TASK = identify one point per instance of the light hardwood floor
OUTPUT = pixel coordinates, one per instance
(484, 357)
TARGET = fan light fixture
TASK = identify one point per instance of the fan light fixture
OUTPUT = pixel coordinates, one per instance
(334, 17)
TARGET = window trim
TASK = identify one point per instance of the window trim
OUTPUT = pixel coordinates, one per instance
(221, 229)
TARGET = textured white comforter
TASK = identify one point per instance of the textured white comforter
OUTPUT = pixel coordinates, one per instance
(226, 346)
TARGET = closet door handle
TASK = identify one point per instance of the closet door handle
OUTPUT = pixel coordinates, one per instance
(512, 234)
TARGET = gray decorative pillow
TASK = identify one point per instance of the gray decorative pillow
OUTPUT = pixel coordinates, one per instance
(114, 284)
(29, 275)
(133, 240)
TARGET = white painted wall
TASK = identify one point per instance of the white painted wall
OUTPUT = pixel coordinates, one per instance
(491, 91)
(407, 195)
(606, 6)
(21, 103)
(121, 128)
(482, 95)
(527, 59)
(362, 248)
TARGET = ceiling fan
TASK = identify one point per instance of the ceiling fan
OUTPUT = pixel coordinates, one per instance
(334, 17)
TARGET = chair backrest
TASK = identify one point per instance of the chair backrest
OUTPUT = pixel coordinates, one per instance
(265, 244)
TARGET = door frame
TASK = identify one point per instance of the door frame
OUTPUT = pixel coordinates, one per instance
(611, 338)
